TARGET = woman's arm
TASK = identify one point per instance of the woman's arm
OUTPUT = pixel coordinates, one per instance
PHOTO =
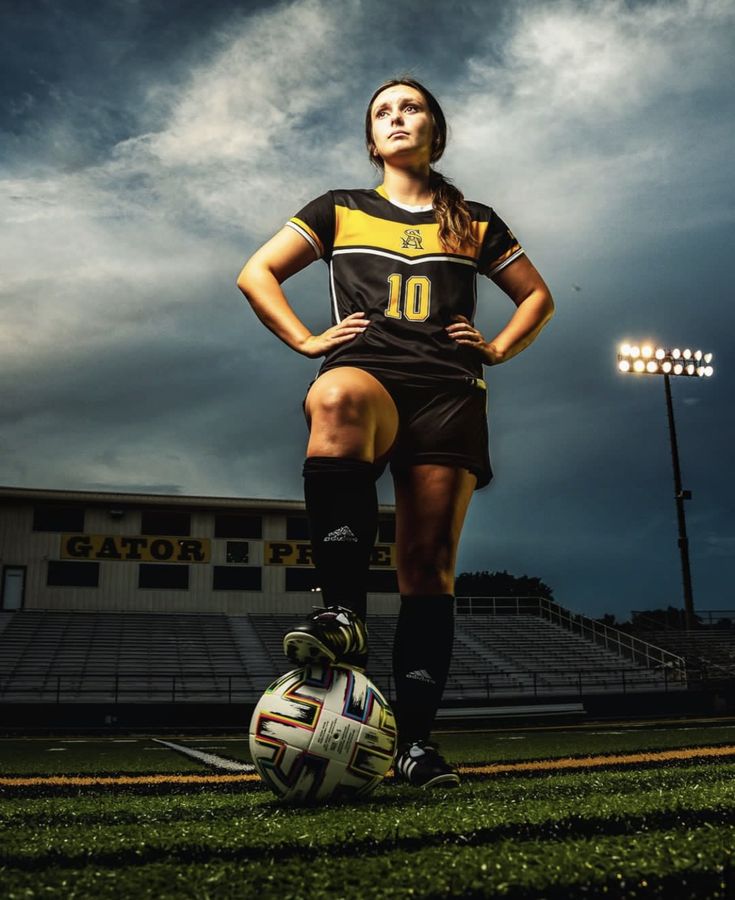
(260, 281)
(534, 307)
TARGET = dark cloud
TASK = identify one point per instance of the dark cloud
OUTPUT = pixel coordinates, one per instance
(149, 147)
(78, 77)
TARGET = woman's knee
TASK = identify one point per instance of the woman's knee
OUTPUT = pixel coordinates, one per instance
(339, 404)
(350, 413)
(426, 572)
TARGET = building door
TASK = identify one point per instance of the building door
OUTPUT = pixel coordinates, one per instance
(14, 578)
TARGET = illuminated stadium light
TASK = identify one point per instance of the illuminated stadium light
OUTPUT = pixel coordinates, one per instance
(654, 360)
(645, 359)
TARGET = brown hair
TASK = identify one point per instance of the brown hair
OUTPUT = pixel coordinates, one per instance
(450, 209)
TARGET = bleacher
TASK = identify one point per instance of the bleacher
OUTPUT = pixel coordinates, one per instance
(118, 657)
(710, 651)
(500, 656)
(549, 657)
(97, 657)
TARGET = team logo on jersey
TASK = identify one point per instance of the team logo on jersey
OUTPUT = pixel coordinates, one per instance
(411, 239)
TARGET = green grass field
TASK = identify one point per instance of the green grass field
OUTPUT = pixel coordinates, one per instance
(605, 811)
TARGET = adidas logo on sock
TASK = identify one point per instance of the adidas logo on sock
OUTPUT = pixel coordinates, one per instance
(421, 675)
(342, 535)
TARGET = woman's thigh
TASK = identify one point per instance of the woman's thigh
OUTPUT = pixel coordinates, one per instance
(431, 504)
(350, 413)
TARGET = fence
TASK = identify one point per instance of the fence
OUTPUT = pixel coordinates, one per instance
(674, 619)
(74, 687)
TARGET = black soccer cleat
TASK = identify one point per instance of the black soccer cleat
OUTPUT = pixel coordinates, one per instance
(420, 764)
(335, 634)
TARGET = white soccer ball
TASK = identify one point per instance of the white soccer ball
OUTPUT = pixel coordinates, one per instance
(322, 732)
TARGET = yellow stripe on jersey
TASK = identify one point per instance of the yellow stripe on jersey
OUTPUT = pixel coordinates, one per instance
(308, 233)
(355, 228)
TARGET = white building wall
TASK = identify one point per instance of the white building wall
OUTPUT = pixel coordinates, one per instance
(118, 580)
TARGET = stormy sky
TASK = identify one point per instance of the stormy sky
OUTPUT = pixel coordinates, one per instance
(149, 146)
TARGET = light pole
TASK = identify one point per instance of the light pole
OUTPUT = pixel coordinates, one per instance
(645, 359)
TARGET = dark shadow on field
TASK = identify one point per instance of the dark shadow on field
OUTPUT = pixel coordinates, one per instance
(566, 828)
(683, 886)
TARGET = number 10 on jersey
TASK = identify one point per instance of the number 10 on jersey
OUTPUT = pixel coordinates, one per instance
(411, 300)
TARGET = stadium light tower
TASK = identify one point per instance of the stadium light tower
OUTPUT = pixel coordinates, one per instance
(645, 359)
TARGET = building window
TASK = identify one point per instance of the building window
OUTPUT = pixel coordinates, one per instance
(233, 525)
(236, 578)
(153, 575)
(162, 521)
(72, 574)
(382, 582)
(301, 579)
(58, 518)
(237, 551)
(387, 531)
(297, 528)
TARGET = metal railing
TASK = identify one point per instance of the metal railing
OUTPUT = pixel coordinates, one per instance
(106, 687)
(674, 619)
(613, 639)
(141, 687)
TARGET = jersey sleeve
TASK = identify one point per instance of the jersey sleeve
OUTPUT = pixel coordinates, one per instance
(315, 223)
(499, 247)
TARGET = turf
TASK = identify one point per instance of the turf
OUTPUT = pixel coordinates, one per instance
(634, 831)
(89, 756)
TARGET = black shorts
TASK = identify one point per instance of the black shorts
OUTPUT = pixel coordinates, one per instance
(442, 423)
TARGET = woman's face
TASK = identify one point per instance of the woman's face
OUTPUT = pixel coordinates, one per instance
(402, 126)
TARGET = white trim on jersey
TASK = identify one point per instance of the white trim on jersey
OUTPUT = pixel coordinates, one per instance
(308, 237)
(474, 300)
(407, 260)
(427, 207)
(506, 262)
(333, 292)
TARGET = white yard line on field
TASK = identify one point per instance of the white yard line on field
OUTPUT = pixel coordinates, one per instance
(209, 759)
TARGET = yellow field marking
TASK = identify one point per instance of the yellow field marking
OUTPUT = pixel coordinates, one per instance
(104, 780)
(540, 765)
(595, 762)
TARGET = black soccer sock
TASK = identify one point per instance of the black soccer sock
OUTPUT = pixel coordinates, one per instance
(342, 507)
(422, 652)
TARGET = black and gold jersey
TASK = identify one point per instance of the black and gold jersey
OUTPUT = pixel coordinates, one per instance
(386, 260)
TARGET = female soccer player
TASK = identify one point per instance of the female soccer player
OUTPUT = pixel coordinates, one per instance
(401, 382)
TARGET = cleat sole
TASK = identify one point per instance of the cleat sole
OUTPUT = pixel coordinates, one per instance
(305, 648)
(450, 780)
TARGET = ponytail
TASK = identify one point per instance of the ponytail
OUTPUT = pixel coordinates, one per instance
(452, 214)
